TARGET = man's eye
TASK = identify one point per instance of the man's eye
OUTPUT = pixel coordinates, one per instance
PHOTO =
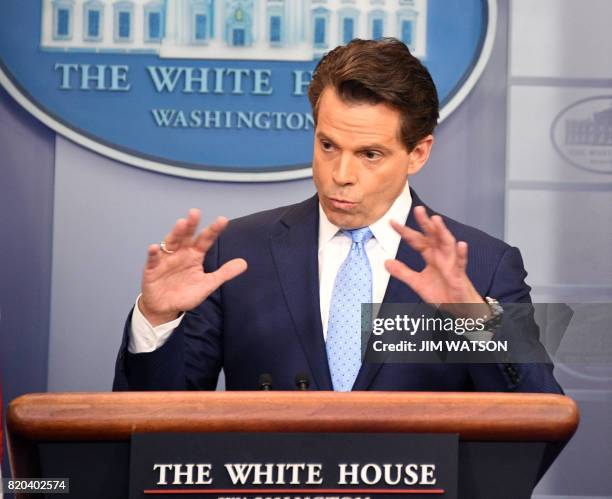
(326, 146)
(372, 155)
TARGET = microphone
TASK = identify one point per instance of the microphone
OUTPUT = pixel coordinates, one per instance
(302, 381)
(265, 382)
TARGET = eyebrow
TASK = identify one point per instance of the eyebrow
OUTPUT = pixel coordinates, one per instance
(366, 147)
(321, 135)
(375, 146)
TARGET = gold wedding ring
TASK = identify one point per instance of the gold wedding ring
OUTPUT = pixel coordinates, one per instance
(162, 245)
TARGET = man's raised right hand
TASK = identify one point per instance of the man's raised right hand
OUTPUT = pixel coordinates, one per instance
(176, 282)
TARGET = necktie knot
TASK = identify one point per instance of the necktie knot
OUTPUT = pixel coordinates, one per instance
(360, 236)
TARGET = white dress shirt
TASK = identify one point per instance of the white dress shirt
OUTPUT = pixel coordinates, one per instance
(334, 247)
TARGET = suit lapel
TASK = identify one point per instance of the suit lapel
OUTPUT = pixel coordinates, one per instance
(397, 291)
(294, 245)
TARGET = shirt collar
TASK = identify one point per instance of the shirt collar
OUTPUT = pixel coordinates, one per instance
(381, 229)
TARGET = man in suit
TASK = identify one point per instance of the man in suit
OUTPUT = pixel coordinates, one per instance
(281, 290)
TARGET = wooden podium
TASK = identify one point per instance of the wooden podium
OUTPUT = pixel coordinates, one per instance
(507, 441)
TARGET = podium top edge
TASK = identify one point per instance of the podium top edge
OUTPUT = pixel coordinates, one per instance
(116, 416)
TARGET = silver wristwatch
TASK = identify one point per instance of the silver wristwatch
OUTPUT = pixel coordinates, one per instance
(497, 312)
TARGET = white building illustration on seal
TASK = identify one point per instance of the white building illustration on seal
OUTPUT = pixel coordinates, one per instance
(595, 131)
(288, 30)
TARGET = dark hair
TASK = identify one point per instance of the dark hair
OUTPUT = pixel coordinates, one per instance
(380, 71)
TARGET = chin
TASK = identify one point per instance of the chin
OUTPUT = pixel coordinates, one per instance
(346, 222)
(344, 219)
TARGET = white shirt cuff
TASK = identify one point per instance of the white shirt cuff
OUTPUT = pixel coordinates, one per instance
(145, 338)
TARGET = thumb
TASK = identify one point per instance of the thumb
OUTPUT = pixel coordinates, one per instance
(226, 272)
(403, 273)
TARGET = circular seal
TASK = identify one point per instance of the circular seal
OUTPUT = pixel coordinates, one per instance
(215, 89)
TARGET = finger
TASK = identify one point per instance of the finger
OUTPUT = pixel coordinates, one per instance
(462, 255)
(153, 257)
(403, 273)
(193, 220)
(420, 214)
(175, 238)
(444, 236)
(210, 234)
(414, 238)
(226, 272)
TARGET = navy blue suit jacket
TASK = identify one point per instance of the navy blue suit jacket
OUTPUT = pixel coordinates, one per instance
(268, 320)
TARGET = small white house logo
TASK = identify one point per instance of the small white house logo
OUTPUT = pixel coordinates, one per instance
(582, 134)
(215, 89)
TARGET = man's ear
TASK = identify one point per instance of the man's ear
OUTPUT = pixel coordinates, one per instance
(419, 155)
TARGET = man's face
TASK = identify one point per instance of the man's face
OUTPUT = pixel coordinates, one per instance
(359, 164)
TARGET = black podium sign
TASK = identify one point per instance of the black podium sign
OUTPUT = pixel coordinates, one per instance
(293, 465)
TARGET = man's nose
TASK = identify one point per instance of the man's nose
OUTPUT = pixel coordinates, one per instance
(345, 171)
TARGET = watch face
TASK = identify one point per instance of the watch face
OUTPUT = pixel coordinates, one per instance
(497, 309)
(494, 305)
(496, 314)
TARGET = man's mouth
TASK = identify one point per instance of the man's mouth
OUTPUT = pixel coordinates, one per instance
(340, 203)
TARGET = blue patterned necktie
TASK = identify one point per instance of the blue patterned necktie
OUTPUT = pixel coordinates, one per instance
(352, 287)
